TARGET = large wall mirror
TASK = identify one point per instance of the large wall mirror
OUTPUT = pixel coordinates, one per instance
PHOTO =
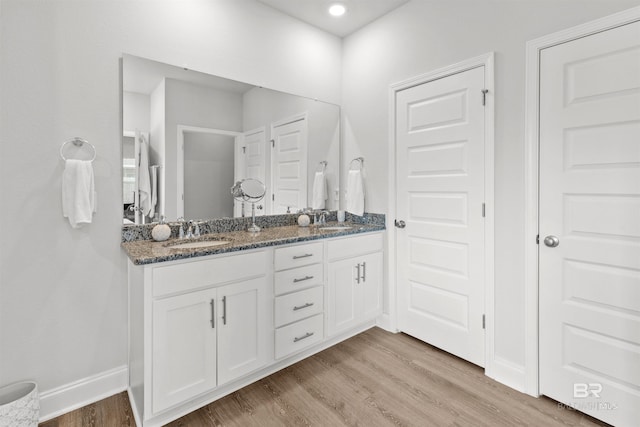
(189, 136)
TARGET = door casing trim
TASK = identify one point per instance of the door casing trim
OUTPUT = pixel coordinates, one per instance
(389, 320)
(531, 167)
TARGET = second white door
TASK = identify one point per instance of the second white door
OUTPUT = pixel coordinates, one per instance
(289, 165)
(440, 197)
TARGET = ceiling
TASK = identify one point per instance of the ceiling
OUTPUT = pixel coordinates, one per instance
(143, 76)
(314, 12)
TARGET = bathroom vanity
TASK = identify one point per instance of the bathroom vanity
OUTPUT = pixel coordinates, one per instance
(205, 322)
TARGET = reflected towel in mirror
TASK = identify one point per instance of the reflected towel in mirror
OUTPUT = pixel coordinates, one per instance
(355, 193)
(144, 180)
(319, 195)
(78, 193)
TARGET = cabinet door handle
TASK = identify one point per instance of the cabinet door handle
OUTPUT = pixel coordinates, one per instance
(358, 274)
(302, 256)
(300, 307)
(302, 279)
(224, 310)
(213, 313)
(364, 271)
(307, 335)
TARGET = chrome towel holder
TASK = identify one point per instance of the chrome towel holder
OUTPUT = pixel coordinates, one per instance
(360, 161)
(322, 166)
(78, 142)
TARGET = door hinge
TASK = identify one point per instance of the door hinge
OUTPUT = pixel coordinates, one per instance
(273, 197)
(483, 321)
(483, 210)
(273, 143)
(244, 150)
(484, 96)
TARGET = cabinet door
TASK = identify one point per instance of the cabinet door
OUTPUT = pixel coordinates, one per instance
(370, 287)
(245, 332)
(342, 306)
(184, 347)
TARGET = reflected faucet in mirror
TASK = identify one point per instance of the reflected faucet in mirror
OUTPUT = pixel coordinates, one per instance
(206, 133)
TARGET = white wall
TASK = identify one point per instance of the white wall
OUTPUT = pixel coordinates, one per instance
(135, 111)
(157, 140)
(62, 291)
(425, 35)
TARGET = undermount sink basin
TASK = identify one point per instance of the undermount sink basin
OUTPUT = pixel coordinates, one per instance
(197, 244)
(336, 228)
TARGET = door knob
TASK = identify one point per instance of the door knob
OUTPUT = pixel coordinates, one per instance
(551, 241)
(400, 224)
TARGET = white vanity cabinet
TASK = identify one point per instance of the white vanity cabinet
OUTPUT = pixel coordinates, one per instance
(354, 285)
(205, 323)
(184, 347)
(203, 327)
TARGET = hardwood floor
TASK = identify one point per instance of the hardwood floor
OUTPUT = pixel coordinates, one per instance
(373, 379)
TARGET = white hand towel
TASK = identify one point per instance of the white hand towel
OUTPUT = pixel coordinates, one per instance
(78, 193)
(355, 193)
(319, 191)
(154, 190)
(144, 182)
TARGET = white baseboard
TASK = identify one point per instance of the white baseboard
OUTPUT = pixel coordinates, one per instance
(385, 322)
(508, 373)
(77, 394)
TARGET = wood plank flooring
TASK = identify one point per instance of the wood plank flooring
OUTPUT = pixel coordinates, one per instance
(373, 379)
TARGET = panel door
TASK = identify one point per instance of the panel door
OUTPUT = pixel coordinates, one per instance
(289, 166)
(370, 285)
(245, 332)
(343, 302)
(250, 162)
(590, 201)
(440, 196)
(184, 348)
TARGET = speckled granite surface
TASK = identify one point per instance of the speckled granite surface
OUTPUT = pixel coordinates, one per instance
(148, 252)
(132, 233)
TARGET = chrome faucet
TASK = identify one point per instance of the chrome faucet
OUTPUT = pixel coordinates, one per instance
(189, 234)
(323, 217)
(193, 230)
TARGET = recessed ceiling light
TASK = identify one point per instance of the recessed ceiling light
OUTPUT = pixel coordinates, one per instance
(337, 9)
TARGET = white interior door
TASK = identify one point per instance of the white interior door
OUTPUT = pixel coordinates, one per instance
(440, 195)
(590, 201)
(289, 166)
(250, 162)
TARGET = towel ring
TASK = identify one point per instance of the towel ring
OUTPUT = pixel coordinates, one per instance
(322, 166)
(357, 159)
(78, 142)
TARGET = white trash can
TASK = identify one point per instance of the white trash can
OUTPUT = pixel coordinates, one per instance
(19, 405)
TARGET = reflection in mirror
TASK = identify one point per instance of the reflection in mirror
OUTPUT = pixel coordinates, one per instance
(190, 136)
(249, 190)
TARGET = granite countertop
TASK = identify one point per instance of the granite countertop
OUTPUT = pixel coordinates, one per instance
(148, 251)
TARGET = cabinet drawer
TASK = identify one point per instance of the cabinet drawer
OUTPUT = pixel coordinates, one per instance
(298, 278)
(297, 256)
(298, 336)
(353, 246)
(196, 274)
(298, 305)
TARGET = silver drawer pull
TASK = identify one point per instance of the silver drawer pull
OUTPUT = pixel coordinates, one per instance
(307, 335)
(302, 279)
(300, 307)
(302, 256)
(213, 313)
(224, 310)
